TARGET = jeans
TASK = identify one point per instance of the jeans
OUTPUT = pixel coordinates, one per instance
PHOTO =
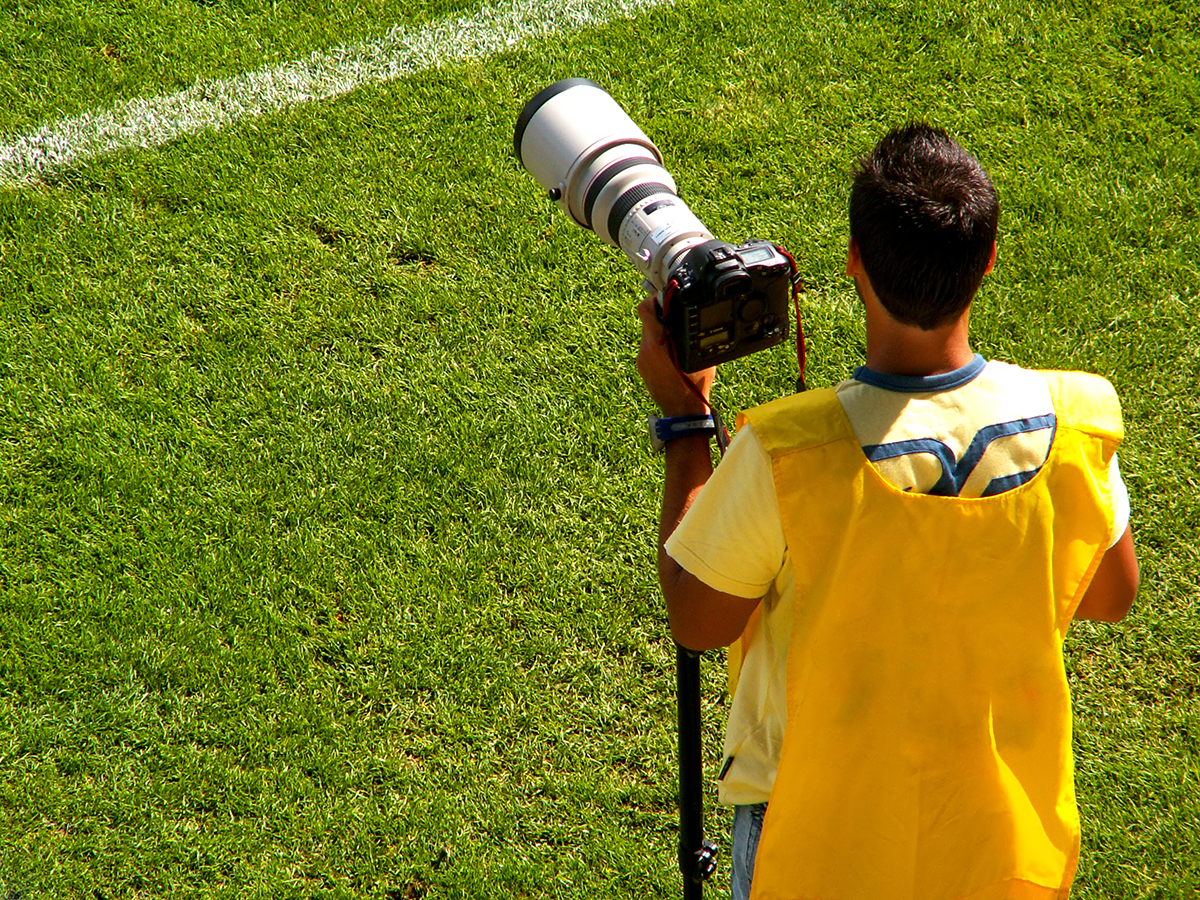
(747, 826)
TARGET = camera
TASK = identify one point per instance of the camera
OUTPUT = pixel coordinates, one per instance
(717, 301)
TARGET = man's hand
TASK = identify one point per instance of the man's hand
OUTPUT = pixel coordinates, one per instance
(660, 374)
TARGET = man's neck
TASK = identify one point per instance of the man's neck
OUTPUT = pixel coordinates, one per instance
(892, 355)
(895, 349)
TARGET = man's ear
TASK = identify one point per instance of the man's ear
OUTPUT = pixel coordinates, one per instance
(991, 259)
(854, 260)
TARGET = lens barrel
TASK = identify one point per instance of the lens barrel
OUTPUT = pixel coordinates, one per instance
(606, 174)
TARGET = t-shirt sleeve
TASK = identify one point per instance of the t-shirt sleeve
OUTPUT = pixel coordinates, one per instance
(1120, 499)
(732, 537)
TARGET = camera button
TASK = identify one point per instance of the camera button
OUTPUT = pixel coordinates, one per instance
(752, 310)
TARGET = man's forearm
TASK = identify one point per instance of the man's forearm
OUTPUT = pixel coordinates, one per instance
(701, 617)
(688, 467)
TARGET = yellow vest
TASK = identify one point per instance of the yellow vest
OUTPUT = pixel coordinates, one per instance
(927, 754)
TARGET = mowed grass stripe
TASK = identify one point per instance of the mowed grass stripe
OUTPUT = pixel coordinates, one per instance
(150, 122)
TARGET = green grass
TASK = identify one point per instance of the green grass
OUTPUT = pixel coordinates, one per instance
(326, 514)
(64, 57)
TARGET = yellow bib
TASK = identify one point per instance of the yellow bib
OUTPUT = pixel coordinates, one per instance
(927, 754)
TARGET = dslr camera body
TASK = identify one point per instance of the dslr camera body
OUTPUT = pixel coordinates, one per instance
(717, 301)
(723, 302)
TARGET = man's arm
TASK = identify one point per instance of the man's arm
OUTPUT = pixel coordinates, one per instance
(700, 617)
(1110, 595)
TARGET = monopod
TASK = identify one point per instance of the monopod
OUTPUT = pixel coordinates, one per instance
(697, 856)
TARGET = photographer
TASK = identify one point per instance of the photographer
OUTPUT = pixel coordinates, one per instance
(896, 561)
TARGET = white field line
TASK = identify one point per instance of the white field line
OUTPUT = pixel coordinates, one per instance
(214, 104)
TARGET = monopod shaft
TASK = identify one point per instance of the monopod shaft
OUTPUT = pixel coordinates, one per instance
(696, 855)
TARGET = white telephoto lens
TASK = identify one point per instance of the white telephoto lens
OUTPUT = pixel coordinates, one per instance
(607, 175)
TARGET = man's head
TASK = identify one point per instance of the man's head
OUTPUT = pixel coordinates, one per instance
(923, 215)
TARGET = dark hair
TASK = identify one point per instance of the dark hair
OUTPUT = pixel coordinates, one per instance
(924, 215)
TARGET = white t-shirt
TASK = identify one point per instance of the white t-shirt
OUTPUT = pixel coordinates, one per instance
(980, 430)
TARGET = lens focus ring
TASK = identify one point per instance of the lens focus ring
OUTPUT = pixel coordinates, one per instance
(602, 180)
(630, 199)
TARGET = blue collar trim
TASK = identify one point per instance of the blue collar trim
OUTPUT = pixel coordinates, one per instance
(922, 384)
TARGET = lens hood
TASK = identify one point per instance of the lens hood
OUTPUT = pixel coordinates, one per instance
(538, 101)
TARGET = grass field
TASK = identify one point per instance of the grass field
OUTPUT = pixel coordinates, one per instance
(326, 513)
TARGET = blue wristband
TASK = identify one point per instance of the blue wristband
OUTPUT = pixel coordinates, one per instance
(667, 429)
